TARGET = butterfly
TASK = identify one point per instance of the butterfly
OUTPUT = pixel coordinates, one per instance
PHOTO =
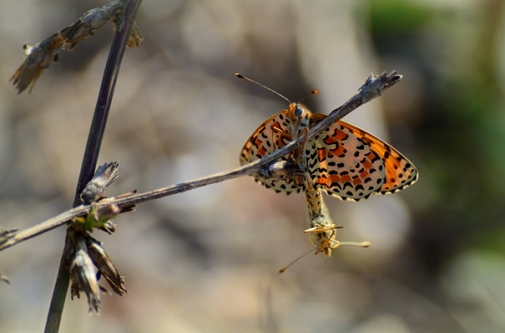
(343, 160)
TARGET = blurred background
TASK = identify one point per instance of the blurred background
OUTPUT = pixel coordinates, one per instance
(207, 260)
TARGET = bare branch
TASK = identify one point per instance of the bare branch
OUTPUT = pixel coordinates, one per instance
(6, 234)
(373, 88)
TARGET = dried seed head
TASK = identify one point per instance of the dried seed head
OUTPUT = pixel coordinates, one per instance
(82, 274)
(40, 56)
(105, 175)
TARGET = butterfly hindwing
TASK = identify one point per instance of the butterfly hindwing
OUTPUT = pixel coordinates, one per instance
(400, 172)
(342, 164)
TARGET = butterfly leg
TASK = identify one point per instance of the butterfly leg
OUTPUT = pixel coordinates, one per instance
(323, 236)
(287, 168)
(282, 169)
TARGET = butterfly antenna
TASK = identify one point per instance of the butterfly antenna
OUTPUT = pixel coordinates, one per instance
(337, 244)
(240, 76)
(313, 92)
(280, 271)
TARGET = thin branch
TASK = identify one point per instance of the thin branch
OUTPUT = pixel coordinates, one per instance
(373, 88)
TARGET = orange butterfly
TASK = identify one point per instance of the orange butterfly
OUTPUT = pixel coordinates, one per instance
(343, 160)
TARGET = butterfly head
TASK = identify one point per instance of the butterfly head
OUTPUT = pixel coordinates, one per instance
(299, 115)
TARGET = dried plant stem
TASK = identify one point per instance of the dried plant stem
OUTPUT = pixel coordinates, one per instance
(92, 151)
(373, 88)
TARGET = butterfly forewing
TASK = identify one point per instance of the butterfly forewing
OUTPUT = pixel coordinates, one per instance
(273, 134)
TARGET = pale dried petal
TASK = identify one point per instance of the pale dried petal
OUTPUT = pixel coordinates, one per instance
(105, 266)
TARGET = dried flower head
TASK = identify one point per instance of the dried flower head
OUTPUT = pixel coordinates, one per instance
(105, 175)
(83, 276)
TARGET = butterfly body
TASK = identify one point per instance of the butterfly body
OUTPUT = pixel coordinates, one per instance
(322, 232)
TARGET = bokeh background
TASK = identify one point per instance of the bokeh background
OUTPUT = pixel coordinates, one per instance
(206, 260)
